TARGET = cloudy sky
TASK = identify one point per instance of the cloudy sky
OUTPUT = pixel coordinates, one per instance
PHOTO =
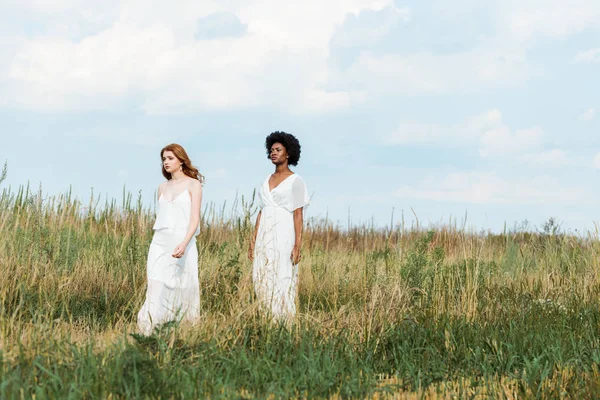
(489, 109)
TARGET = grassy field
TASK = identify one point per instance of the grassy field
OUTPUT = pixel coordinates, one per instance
(403, 312)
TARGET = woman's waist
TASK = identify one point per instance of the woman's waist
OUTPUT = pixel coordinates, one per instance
(175, 223)
(172, 215)
(174, 227)
(278, 218)
(175, 230)
(170, 234)
(276, 209)
(171, 229)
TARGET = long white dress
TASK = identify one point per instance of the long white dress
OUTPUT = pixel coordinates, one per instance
(275, 277)
(173, 289)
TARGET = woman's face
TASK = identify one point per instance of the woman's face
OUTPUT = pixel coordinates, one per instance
(278, 154)
(170, 162)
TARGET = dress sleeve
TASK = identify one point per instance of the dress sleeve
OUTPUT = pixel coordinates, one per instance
(300, 197)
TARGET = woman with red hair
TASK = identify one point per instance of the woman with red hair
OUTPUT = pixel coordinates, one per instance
(173, 291)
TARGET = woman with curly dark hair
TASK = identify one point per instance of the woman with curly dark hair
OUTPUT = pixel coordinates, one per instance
(275, 246)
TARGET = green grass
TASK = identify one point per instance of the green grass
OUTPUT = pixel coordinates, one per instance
(400, 312)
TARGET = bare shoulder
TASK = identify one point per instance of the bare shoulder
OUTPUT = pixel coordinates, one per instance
(194, 185)
(162, 186)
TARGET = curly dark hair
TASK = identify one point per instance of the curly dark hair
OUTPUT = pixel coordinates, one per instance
(289, 141)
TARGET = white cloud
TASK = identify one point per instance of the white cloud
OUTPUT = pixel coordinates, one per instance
(471, 130)
(49, 6)
(502, 140)
(499, 58)
(357, 33)
(149, 54)
(72, 19)
(552, 18)
(592, 55)
(425, 72)
(588, 115)
(550, 158)
(100, 54)
(487, 130)
(489, 188)
(525, 20)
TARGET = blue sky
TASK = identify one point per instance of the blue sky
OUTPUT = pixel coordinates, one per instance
(489, 109)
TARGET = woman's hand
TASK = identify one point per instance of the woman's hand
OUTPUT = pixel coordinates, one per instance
(296, 256)
(179, 250)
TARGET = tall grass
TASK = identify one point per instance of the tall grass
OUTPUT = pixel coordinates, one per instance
(397, 311)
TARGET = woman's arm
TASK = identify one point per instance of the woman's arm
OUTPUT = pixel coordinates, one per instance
(161, 189)
(298, 227)
(195, 189)
(253, 241)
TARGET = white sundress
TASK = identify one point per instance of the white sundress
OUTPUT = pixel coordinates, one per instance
(173, 291)
(274, 276)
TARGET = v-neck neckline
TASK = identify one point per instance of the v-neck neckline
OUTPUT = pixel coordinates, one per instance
(279, 184)
(162, 196)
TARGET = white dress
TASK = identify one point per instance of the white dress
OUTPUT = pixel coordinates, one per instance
(173, 290)
(275, 277)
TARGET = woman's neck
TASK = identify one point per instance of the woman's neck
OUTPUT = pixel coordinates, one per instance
(282, 169)
(179, 175)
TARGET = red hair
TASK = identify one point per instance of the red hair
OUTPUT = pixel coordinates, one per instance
(186, 163)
